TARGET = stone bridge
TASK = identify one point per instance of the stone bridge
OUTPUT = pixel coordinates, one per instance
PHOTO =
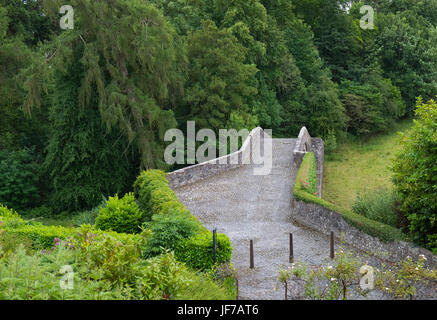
(225, 193)
(244, 206)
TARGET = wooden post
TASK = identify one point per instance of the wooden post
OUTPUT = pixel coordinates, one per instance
(236, 284)
(332, 245)
(252, 265)
(291, 258)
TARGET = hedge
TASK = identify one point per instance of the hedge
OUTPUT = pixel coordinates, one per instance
(197, 251)
(156, 197)
(374, 228)
(42, 236)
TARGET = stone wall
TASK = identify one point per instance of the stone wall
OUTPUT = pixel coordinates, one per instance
(318, 147)
(246, 155)
(324, 220)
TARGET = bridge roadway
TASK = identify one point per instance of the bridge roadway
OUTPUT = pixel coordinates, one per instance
(245, 206)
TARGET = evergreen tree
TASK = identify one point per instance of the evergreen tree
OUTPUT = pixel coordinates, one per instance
(218, 80)
(127, 51)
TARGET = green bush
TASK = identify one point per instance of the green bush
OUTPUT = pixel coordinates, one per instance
(202, 287)
(37, 276)
(168, 231)
(161, 277)
(18, 179)
(378, 205)
(197, 251)
(109, 259)
(374, 228)
(415, 175)
(173, 226)
(41, 236)
(6, 213)
(120, 215)
(330, 143)
(145, 183)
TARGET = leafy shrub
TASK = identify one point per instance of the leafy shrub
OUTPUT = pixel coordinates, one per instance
(36, 277)
(143, 186)
(41, 236)
(161, 277)
(415, 174)
(120, 215)
(197, 251)
(203, 287)
(18, 179)
(378, 205)
(168, 231)
(6, 213)
(10, 242)
(107, 258)
(330, 142)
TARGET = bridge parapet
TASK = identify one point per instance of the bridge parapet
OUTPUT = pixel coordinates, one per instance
(303, 145)
(248, 154)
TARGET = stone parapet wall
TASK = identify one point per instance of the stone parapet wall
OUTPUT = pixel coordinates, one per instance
(246, 155)
(303, 145)
(318, 147)
(324, 220)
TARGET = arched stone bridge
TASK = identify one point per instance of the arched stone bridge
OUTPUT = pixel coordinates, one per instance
(245, 206)
(225, 193)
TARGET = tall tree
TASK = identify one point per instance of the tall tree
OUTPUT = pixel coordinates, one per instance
(218, 81)
(127, 51)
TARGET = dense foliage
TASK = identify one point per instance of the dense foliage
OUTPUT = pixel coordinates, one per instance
(173, 227)
(415, 175)
(105, 264)
(84, 110)
(93, 103)
(120, 215)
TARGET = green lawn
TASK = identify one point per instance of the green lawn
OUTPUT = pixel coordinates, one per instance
(360, 166)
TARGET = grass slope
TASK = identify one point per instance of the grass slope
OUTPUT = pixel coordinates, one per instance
(359, 166)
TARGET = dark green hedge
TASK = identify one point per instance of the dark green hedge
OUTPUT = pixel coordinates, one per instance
(197, 251)
(42, 236)
(174, 227)
(377, 229)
